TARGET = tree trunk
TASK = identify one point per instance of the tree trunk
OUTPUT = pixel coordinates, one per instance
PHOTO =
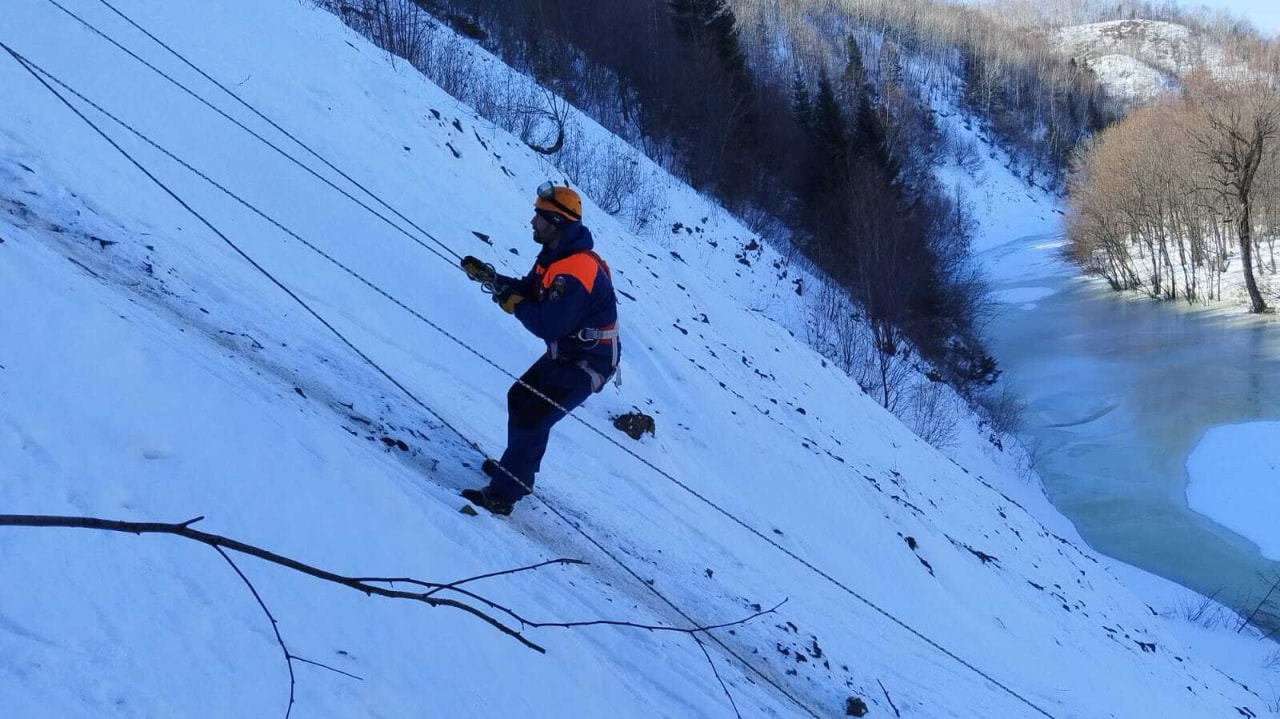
(1245, 231)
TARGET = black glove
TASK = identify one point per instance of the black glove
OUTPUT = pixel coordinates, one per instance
(479, 271)
(507, 299)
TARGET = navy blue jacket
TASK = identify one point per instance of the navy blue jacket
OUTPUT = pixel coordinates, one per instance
(568, 290)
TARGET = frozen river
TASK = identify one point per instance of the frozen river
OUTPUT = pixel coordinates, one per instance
(1119, 393)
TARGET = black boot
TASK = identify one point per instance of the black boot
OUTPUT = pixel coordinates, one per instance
(484, 498)
(490, 468)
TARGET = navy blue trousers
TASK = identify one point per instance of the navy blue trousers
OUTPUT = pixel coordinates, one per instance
(530, 419)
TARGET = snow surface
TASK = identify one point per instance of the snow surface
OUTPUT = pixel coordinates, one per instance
(150, 374)
(1235, 481)
(1131, 79)
(1234, 293)
(1209, 629)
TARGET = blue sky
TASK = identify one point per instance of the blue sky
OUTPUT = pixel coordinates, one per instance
(1264, 13)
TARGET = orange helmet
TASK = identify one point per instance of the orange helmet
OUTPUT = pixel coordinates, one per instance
(560, 202)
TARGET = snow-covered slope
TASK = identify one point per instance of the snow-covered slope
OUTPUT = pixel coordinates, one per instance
(147, 372)
(1140, 60)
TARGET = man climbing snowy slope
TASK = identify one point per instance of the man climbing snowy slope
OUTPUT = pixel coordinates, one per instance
(566, 300)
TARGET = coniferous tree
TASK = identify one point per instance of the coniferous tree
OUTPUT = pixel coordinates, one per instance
(870, 137)
(709, 28)
(711, 24)
(855, 73)
(722, 31)
(801, 101)
(830, 141)
(687, 17)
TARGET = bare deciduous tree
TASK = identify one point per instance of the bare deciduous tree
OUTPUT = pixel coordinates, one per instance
(551, 109)
(1238, 138)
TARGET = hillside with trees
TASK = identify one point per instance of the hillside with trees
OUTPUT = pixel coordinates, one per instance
(814, 122)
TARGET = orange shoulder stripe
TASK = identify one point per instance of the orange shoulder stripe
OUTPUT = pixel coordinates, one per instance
(581, 267)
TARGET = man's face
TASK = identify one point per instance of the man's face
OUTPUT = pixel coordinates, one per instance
(544, 233)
